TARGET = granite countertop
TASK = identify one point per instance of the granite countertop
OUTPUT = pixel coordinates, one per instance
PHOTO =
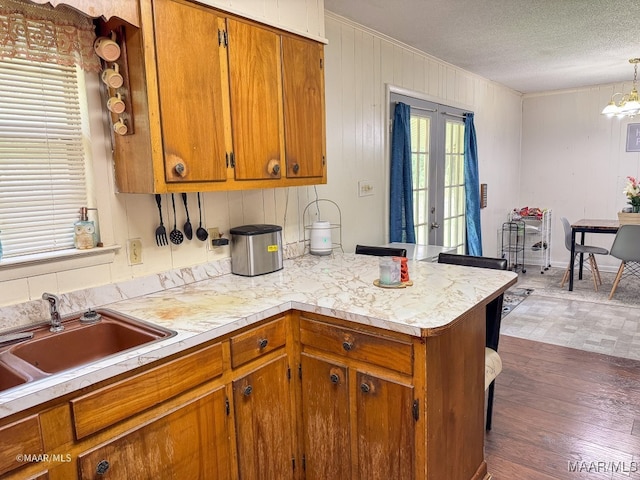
(339, 286)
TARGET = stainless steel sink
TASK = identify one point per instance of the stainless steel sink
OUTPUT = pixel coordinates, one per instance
(80, 343)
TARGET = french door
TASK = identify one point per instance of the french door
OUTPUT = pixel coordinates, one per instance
(437, 151)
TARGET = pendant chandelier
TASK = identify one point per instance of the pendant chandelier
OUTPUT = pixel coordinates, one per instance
(628, 104)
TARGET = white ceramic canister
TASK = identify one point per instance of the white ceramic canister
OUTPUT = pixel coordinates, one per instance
(321, 238)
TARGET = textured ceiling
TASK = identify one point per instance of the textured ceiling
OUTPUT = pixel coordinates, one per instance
(528, 45)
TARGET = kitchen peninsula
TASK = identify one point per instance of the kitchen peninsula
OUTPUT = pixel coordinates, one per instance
(309, 372)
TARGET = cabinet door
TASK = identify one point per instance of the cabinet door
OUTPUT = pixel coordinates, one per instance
(192, 84)
(189, 442)
(325, 414)
(263, 419)
(385, 428)
(304, 124)
(256, 100)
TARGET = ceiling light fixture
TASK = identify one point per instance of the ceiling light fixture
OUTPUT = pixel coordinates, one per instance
(628, 105)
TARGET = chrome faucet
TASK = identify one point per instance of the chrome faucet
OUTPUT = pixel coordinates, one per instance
(56, 324)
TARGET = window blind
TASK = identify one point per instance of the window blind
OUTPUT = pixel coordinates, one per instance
(42, 158)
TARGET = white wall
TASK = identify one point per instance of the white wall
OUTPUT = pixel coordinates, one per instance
(574, 161)
(359, 64)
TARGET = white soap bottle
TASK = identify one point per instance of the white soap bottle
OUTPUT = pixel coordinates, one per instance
(84, 232)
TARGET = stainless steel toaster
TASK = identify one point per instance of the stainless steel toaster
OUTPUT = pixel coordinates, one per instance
(256, 249)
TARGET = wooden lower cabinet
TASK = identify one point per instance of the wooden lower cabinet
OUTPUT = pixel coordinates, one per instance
(325, 419)
(188, 442)
(385, 428)
(355, 424)
(299, 396)
(263, 421)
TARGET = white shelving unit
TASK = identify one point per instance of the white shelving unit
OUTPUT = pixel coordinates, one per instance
(537, 245)
(526, 240)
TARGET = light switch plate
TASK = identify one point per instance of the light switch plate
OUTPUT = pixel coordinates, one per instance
(365, 188)
(134, 251)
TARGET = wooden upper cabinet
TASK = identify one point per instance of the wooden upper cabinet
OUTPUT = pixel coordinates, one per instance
(256, 100)
(206, 103)
(191, 88)
(304, 117)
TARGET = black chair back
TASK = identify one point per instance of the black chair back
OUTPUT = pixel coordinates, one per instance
(381, 251)
(494, 308)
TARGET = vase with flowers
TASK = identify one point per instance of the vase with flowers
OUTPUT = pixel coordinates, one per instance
(632, 191)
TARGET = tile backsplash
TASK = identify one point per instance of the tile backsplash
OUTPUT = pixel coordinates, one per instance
(37, 311)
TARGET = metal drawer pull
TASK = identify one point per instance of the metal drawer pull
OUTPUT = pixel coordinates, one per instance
(347, 345)
(102, 467)
(262, 343)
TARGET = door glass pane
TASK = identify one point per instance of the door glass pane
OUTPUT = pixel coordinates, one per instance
(454, 204)
(420, 127)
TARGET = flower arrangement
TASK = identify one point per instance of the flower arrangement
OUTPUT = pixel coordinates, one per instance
(632, 191)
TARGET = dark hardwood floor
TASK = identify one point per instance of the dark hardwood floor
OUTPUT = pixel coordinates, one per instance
(561, 413)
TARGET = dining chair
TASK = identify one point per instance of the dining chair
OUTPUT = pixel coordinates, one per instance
(381, 251)
(493, 319)
(626, 247)
(590, 250)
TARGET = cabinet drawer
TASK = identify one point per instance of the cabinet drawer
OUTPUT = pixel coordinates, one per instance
(385, 352)
(22, 437)
(121, 400)
(254, 343)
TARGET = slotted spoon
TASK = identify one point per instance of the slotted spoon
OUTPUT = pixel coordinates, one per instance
(175, 236)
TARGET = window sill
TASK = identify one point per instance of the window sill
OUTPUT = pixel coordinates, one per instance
(28, 266)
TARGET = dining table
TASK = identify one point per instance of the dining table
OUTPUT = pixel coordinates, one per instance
(583, 226)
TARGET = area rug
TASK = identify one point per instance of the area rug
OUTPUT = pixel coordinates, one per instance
(548, 285)
(582, 319)
(514, 297)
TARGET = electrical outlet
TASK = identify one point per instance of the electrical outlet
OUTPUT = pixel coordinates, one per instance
(214, 233)
(365, 188)
(134, 249)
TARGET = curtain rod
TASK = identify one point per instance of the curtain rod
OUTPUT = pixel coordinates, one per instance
(435, 110)
(454, 114)
(423, 109)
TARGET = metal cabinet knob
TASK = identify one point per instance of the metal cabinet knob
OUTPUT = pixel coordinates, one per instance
(365, 387)
(273, 167)
(102, 467)
(296, 168)
(180, 169)
(247, 390)
(347, 345)
(262, 343)
(334, 378)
